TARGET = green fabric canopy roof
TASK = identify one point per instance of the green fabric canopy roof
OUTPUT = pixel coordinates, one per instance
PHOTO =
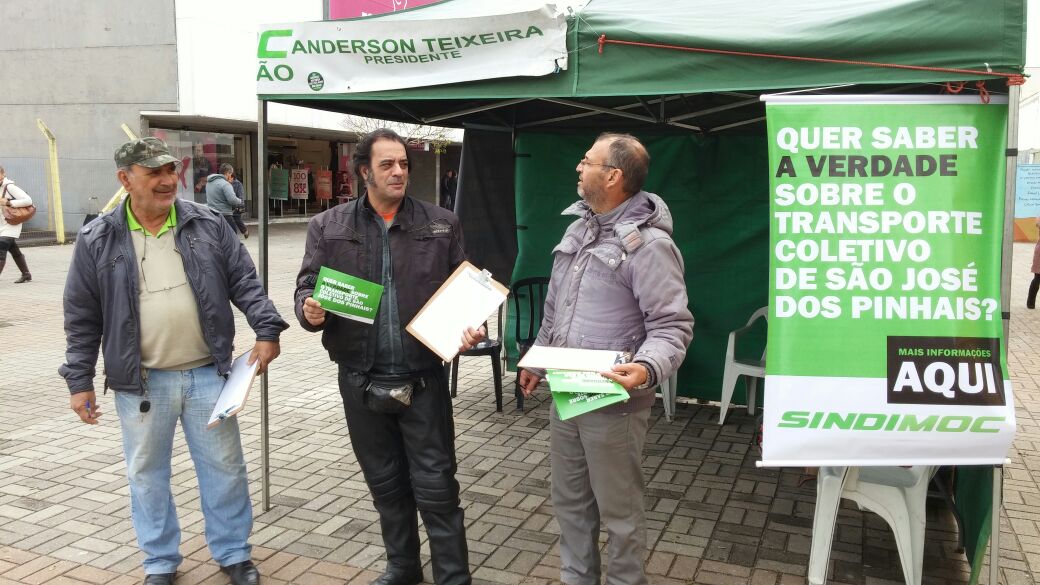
(961, 34)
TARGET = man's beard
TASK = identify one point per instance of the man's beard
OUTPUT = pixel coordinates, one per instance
(370, 182)
(592, 198)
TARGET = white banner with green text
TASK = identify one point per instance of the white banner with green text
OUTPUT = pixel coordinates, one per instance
(352, 56)
(885, 343)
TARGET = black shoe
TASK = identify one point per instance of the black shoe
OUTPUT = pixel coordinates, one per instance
(159, 579)
(1030, 305)
(243, 573)
(396, 576)
(26, 277)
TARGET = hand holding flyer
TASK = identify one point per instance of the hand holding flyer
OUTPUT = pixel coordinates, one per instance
(347, 296)
(575, 377)
(578, 392)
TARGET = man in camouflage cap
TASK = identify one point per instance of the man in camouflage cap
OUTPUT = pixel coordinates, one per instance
(147, 152)
(152, 284)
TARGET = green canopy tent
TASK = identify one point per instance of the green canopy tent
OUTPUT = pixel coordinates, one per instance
(690, 89)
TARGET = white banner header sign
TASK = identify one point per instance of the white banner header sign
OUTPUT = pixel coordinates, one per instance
(336, 57)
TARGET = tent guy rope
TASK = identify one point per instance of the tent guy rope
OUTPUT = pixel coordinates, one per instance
(1012, 78)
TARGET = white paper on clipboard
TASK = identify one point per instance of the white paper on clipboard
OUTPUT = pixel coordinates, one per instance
(570, 358)
(466, 299)
(236, 389)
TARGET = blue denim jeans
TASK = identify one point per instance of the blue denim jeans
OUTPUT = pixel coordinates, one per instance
(187, 395)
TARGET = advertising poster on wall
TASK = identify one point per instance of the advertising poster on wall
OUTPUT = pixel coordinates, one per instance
(323, 184)
(1027, 202)
(181, 149)
(298, 184)
(885, 341)
(280, 184)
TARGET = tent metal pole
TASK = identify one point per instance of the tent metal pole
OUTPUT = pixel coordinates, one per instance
(406, 112)
(475, 110)
(1014, 92)
(1009, 207)
(261, 184)
(599, 109)
(685, 126)
(660, 101)
(557, 119)
(488, 127)
(994, 547)
(729, 106)
(735, 124)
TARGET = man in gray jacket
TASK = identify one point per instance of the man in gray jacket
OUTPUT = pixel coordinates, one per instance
(152, 284)
(221, 197)
(616, 284)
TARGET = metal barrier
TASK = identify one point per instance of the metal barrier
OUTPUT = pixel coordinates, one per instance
(84, 182)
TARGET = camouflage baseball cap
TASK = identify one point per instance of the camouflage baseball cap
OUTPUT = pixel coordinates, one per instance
(147, 152)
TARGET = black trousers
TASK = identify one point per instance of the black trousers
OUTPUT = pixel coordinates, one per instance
(235, 221)
(236, 218)
(408, 461)
(11, 244)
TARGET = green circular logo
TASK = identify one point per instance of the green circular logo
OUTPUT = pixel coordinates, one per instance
(316, 81)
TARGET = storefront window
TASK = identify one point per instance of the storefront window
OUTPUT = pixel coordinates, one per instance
(201, 154)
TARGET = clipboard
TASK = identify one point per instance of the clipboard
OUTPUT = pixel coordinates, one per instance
(466, 299)
(235, 393)
(574, 377)
(572, 358)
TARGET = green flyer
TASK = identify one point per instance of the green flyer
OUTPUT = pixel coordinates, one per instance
(347, 296)
(578, 392)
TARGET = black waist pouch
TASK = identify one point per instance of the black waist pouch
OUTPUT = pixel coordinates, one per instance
(391, 394)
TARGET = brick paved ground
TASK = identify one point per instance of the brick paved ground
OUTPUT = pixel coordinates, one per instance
(714, 517)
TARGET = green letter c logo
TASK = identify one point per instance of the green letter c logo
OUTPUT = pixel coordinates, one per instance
(261, 50)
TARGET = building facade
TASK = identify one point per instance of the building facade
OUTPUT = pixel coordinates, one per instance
(95, 72)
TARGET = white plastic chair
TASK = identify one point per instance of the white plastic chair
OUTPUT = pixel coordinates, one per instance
(668, 394)
(753, 369)
(897, 494)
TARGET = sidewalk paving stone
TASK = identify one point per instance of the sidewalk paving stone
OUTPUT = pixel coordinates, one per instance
(714, 517)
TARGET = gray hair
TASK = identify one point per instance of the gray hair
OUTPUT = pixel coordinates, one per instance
(226, 168)
(628, 154)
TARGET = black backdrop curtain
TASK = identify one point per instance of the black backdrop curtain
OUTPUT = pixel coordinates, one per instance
(485, 201)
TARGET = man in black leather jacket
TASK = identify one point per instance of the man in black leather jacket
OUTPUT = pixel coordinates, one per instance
(407, 457)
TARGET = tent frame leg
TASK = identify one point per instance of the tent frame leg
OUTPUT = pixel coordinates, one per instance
(262, 267)
(1014, 94)
(994, 547)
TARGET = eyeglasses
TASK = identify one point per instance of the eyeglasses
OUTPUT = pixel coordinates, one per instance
(155, 278)
(585, 163)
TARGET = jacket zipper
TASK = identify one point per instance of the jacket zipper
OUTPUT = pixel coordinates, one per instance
(191, 282)
(135, 309)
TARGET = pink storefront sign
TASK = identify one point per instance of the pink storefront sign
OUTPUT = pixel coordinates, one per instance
(355, 8)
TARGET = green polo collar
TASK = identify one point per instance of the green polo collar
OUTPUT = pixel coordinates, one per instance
(134, 225)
